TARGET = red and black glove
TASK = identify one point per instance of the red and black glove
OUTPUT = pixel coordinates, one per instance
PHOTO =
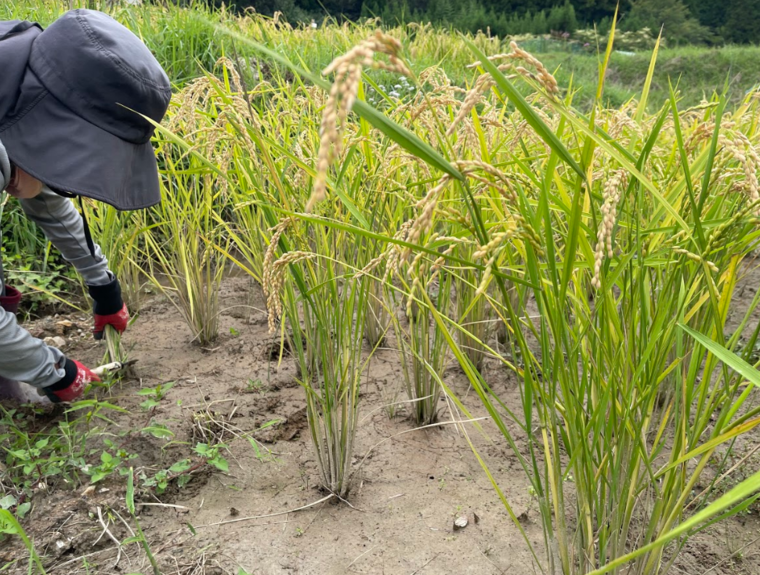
(110, 308)
(10, 301)
(72, 385)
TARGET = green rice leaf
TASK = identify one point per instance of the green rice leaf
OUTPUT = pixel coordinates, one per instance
(726, 356)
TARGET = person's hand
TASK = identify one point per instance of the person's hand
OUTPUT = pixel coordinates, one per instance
(73, 384)
(110, 308)
(118, 321)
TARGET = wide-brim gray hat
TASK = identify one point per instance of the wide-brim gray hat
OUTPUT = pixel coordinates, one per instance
(77, 123)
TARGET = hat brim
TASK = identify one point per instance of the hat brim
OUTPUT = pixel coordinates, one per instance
(72, 155)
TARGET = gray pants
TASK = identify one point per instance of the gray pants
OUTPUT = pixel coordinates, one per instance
(20, 392)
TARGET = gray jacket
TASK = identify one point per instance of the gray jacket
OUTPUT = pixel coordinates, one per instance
(23, 357)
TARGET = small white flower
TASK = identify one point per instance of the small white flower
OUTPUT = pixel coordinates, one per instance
(394, 94)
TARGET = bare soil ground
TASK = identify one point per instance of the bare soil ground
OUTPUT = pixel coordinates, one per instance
(406, 495)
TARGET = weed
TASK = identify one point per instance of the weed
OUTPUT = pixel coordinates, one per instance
(212, 456)
(10, 526)
(254, 386)
(154, 395)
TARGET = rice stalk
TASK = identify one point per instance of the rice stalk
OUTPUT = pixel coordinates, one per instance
(421, 343)
(378, 319)
(473, 313)
(326, 330)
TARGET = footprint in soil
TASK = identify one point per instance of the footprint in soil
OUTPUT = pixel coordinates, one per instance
(285, 431)
(272, 349)
(266, 404)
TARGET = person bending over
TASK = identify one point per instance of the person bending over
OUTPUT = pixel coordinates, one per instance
(72, 101)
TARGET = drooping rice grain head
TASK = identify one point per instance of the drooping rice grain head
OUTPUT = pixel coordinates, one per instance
(742, 150)
(348, 71)
(271, 281)
(612, 191)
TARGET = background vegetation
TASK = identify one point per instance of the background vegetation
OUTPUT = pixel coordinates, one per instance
(704, 21)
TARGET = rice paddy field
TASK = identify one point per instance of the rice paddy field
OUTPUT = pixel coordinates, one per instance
(412, 303)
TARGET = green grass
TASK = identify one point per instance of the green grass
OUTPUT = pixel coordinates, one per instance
(697, 72)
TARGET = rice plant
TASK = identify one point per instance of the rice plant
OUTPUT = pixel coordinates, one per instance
(334, 326)
(564, 213)
(597, 362)
(186, 243)
(650, 261)
(473, 313)
(325, 304)
(422, 345)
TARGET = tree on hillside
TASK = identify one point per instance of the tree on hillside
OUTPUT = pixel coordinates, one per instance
(562, 18)
(742, 23)
(371, 9)
(672, 15)
(684, 20)
(293, 10)
(595, 10)
(441, 11)
(395, 12)
(708, 12)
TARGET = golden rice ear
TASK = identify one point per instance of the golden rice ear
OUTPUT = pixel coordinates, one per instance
(348, 73)
(271, 279)
(542, 75)
(612, 191)
(484, 83)
(741, 149)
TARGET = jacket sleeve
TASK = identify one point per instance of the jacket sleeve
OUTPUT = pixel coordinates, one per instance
(63, 226)
(26, 358)
(23, 357)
